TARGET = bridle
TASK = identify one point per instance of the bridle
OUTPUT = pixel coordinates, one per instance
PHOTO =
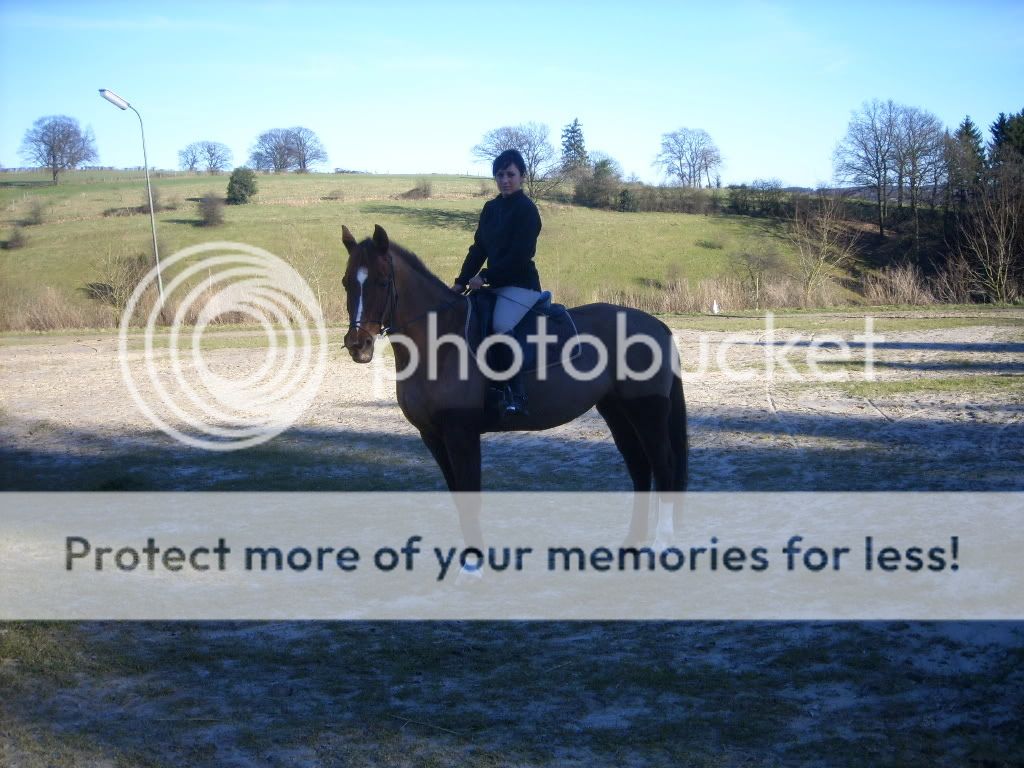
(387, 316)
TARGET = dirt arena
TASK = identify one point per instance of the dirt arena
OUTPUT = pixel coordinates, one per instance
(944, 414)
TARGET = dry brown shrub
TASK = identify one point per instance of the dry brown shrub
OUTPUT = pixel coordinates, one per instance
(903, 284)
(954, 282)
(47, 309)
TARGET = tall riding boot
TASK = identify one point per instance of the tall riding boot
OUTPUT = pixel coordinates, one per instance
(515, 396)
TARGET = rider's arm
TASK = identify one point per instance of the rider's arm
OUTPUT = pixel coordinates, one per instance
(475, 258)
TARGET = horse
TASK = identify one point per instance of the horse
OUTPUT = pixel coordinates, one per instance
(389, 290)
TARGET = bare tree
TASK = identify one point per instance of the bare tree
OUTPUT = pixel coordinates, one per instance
(287, 149)
(687, 154)
(531, 139)
(992, 234)
(119, 274)
(306, 149)
(866, 155)
(919, 154)
(57, 143)
(824, 244)
(756, 268)
(710, 159)
(938, 179)
(188, 158)
(215, 156)
(273, 151)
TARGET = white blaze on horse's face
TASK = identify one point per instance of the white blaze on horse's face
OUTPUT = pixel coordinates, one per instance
(361, 276)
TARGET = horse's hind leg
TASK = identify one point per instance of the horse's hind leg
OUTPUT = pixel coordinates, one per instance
(628, 443)
(649, 417)
(639, 468)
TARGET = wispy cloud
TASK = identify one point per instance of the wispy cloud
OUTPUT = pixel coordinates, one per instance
(81, 23)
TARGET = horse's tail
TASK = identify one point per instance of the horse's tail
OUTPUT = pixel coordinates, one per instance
(677, 434)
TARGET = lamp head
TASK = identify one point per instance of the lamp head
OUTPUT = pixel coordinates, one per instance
(113, 98)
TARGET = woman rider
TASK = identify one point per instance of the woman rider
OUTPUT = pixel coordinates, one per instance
(506, 238)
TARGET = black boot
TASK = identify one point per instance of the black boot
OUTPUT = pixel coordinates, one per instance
(515, 396)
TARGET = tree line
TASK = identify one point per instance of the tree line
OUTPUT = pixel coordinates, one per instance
(688, 157)
(971, 193)
(972, 190)
(904, 154)
(58, 143)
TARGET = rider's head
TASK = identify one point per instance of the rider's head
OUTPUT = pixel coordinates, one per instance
(507, 158)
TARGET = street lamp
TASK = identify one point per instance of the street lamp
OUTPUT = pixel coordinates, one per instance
(120, 103)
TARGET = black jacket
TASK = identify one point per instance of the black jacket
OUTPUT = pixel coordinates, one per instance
(506, 238)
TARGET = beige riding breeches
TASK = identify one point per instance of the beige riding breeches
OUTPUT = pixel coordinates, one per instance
(512, 304)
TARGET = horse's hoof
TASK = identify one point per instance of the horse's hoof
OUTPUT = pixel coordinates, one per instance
(661, 543)
(469, 574)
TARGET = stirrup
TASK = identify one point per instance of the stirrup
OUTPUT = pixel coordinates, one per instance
(515, 405)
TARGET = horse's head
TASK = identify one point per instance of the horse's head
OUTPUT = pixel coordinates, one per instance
(370, 290)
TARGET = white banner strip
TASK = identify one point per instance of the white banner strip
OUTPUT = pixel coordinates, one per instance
(194, 556)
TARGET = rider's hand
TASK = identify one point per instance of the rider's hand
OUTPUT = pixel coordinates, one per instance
(458, 287)
(476, 283)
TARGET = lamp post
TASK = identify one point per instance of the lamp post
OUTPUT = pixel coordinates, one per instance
(120, 103)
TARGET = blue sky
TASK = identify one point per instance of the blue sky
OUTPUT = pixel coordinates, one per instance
(397, 87)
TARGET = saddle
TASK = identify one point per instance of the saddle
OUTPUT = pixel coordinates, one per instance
(558, 323)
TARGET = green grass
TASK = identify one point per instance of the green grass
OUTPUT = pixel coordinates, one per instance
(580, 252)
(1004, 384)
(52, 650)
(843, 321)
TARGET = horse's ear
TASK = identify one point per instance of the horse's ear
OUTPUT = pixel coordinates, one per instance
(380, 238)
(347, 239)
(350, 245)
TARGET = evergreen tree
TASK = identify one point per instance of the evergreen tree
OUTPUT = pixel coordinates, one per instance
(969, 138)
(966, 161)
(574, 151)
(1007, 138)
(601, 188)
(241, 186)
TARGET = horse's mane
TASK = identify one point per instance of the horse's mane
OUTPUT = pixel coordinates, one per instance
(410, 259)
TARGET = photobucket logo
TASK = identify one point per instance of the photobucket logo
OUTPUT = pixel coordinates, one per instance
(538, 351)
(763, 355)
(182, 393)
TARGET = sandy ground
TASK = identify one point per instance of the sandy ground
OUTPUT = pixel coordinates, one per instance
(69, 422)
(530, 694)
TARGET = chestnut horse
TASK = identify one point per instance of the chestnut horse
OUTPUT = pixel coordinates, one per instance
(389, 290)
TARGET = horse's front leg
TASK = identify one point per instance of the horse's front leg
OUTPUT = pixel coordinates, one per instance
(462, 444)
(435, 443)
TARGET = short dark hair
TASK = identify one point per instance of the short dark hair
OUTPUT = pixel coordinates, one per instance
(507, 158)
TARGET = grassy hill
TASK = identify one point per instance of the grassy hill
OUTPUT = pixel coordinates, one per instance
(583, 254)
